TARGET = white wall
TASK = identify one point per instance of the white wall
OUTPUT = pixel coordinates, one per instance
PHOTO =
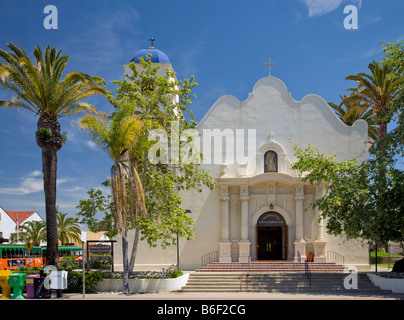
(7, 225)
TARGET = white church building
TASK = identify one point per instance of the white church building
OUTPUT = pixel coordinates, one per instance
(261, 210)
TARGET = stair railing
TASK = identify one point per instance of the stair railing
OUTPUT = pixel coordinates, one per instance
(209, 258)
(307, 272)
(335, 257)
(245, 279)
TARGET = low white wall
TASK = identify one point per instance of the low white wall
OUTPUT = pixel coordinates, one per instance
(394, 284)
(143, 285)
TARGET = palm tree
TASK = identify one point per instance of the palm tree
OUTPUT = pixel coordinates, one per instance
(33, 231)
(376, 91)
(349, 112)
(68, 229)
(118, 137)
(38, 88)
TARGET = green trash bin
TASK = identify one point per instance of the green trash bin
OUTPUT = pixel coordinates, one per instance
(17, 282)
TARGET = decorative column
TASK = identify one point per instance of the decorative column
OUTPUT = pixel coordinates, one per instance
(300, 243)
(319, 243)
(224, 244)
(244, 244)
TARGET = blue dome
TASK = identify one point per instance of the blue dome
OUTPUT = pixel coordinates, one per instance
(157, 56)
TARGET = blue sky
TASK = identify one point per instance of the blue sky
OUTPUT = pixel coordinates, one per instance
(222, 43)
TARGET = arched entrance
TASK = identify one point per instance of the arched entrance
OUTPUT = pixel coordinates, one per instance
(271, 237)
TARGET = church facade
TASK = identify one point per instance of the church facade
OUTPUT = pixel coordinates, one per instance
(260, 209)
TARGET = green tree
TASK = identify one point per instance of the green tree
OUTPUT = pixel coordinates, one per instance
(68, 229)
(38, 87)
(394, 58)
(162, 102)
(353, 205)
(97, 212)
(365, 200)
(157, 100)
(117, 137)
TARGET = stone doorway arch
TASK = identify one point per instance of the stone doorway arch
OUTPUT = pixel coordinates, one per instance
(272, 237)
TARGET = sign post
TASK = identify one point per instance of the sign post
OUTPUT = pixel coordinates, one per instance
(28, 245)
(83, 240)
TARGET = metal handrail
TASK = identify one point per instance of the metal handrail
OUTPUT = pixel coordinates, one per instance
(209, 258)
(245, 277)
(335, 257)
(307, 272)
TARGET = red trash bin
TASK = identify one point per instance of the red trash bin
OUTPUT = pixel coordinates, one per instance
(30, 285)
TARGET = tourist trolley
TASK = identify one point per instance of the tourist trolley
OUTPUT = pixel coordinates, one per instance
(13, 256)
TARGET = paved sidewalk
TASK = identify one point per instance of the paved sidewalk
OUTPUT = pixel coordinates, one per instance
(229, 296)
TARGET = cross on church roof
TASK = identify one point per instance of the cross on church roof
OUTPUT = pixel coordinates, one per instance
(151, 43)
(269, 64)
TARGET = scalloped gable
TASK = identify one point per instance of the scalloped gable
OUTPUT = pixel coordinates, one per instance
(271, 108)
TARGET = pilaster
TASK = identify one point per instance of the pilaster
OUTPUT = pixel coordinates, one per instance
(300, 243)
(244, 255)
(224, 212)
(244, 199)
(244, 244)
(299, 206)
(319, 243)
(224, 244)
(224, 251)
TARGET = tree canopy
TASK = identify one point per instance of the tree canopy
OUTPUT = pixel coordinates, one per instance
(360, 202)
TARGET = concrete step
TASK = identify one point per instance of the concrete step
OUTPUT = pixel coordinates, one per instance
(276, 266)
(278, 283)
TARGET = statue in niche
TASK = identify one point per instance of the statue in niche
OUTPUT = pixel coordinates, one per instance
(271, 162)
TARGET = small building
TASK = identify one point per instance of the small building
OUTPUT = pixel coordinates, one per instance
(11, 220)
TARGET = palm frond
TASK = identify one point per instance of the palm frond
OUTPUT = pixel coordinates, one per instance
(39, 83)
(375, 90)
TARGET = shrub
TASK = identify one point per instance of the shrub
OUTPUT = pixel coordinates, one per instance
(380, 255)
(75, 281)
(174, 274)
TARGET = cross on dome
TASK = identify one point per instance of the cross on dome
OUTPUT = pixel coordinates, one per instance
(151, 43)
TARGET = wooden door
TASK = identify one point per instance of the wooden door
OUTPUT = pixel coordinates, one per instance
(269, 244)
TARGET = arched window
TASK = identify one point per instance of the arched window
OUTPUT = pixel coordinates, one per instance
(271, 161)
(271, 219)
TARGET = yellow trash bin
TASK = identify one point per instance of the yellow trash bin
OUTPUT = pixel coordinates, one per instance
(4, 284)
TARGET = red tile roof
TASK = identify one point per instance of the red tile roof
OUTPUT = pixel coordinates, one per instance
(22, 215)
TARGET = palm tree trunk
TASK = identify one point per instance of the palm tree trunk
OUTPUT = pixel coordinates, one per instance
(137, 203)
(118, 188)
(49, 139)
(125, 264)
(49, 167)
(134, 250)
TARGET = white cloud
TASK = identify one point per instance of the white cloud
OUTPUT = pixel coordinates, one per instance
(31, 184)
(63, 180)
(92, 144)
(35, 173)
(27, 185)
(320, 7)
